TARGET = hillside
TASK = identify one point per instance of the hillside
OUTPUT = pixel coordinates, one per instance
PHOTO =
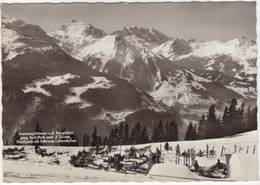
(43, 83)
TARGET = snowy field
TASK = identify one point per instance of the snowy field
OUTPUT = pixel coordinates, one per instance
(35, 168)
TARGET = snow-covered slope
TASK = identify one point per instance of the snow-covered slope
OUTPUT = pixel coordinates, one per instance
(116, 48)
(124, 56)
(243, 162)
(173, 49)
(19, 38)
(189, 93)
(240, 49)
(232, 63)
(73, 36)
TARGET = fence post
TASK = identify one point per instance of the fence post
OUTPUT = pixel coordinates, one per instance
(247, 149)
(193, 156)
(207, 150)
(222, 150)
(176, 158)
(161, 153)
(254, 149)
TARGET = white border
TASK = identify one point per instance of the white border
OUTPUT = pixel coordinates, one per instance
(142, 1)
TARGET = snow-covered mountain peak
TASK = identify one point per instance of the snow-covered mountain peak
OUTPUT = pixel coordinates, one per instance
(75, 29)
(117, 48)
(149, 35)
(241, 41)
(18, 37)
(173, 48)
(12, 22)
(74, 36)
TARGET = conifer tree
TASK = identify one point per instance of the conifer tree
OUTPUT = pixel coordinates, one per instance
(100, 141)
(225, 122)
(194, 134)
(126, 134)
(94, 137)
(172, 132)
(73, 137)
(241, 127)
(201, 128)
(252, 119)
(168, 132)
(189, 132)
(211, 123)
(175, 131)
(160, 132)
(121, 131)
(87, 141)
(232, 117)
(105, 141)
(154, 134)
(116, 136)
(84, 140)
(144, 135)
(136, 134)
(15, 138)
(37, 129)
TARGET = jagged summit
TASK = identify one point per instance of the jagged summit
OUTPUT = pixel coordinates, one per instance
(150, 35)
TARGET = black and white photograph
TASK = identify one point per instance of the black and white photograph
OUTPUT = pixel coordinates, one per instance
(129, 92)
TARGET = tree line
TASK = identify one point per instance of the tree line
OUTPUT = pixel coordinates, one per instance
(120, 135)
(234, 120)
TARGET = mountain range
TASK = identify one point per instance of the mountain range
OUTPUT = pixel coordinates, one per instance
(77, 77)
(185, 75)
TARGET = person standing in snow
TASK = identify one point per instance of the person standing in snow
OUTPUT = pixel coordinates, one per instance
(177, 148)
(166, 146)
(177, 154)
(158, 154)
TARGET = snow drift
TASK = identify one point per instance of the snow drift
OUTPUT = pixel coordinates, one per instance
(172, 170)
(244, 167)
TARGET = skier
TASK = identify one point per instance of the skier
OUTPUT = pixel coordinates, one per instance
(158, 154)
(177, 148)
(166, 146)
(177, 154)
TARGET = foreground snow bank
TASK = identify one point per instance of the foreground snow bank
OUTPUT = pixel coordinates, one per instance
(244, 167)
(172, 170)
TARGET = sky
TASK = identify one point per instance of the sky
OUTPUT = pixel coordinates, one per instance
(201, 21)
